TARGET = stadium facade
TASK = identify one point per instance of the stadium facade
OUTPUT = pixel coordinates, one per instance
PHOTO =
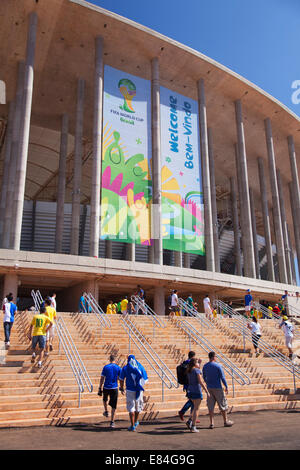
(195, 168)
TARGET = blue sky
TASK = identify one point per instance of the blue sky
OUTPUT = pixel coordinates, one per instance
(259, 39)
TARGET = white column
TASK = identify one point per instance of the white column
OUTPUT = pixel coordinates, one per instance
(159, 301)
(266, 220)
(77, 169)
(296, 193)
(156, 164)
(248, 251)
(14, 153)
(97, 150)
(275, 201)
(61, 189)
(208, 222)
(5, 174)
(25, 130)
(254, 232)
(284, 229)
(236, 229)
(213, 199)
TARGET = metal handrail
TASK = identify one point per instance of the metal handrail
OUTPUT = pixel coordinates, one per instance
(102, 317)
(37, 299)
(272, 315)
(74, 359)
(141, 305)
(193, 312)
(229, 367)
(240, 325)
(158, 365)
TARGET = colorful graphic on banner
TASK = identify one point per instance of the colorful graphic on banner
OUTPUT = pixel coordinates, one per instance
(182, 198)
(126, 168)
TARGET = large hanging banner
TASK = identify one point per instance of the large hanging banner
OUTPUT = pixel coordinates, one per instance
(126, 169)
(182, 197)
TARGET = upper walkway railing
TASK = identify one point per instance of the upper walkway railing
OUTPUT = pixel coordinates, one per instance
(193, 312)
(229, 367)
(166, 376)
(90, 301)
(141, 305)
(239, 323)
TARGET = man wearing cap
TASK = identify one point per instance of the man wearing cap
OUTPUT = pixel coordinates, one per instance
(288, 329)
(248, 303)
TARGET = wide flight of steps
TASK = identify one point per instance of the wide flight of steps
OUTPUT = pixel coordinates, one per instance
(49, 396)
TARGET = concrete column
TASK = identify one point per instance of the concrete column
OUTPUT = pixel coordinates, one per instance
(240, 204)
(14, 152)
(254, 232)
(208, 220)
(60, 203)
(248, 250)
(284, 228)
(186, 260)
(296, 191)
(75, 224)
(108, 249)
(156, 164)
(213, 199)
(5, 174)
(275, 202)
(97, 150)
(130, 251)
(292, 261)
(10, 285)
(25, 130)
(236, 229)
(295, 225)
(159, 301)
(178, 259)
(266, 219)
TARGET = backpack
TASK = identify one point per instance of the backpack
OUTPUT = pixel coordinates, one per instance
(182, 378)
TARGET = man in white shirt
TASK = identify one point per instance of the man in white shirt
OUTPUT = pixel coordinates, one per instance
(207, 306)
(174, 303)
(53, 300)
(288, 329)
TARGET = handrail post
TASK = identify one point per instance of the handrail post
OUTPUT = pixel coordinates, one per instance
(232, 383)
(162, 386)
(129, 340)
(294, 378)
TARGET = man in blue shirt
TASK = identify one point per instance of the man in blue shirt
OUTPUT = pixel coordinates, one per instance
(9, 310)
(109, 376)
(248, 303)
(214, 377)
(81, 306)
(136, 377)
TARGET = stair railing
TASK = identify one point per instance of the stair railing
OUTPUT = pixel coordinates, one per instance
(135, 336)
(229, 367)
(193, 312)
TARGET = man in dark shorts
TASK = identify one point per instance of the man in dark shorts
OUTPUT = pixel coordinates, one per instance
(109, 376)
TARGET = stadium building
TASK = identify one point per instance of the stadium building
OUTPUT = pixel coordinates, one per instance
(195, 168)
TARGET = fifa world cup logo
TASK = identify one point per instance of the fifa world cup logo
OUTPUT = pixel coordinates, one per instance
(128, 90)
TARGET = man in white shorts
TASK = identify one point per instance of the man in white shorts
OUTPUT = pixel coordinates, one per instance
(207, 306)
(288, 329)
(135, 376)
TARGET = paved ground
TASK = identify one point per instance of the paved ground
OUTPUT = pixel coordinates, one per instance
(264, 430)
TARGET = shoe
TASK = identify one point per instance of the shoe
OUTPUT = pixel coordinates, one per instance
(51, 347)
(194, 429)
(136, 424)
(46, 354)
(40, 364)
(228, 424)
(181, 415)
(189, 423)
(257, 354)
(112, 424)
(131, 428)
(105, 413)
(211, 426)
(33, 357)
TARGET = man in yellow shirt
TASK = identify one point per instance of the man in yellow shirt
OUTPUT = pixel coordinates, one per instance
(110, 309)
(51, 313)
(124, 304)
(37, 333)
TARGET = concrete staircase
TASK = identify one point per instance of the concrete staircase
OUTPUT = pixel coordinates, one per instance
(49, 396)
